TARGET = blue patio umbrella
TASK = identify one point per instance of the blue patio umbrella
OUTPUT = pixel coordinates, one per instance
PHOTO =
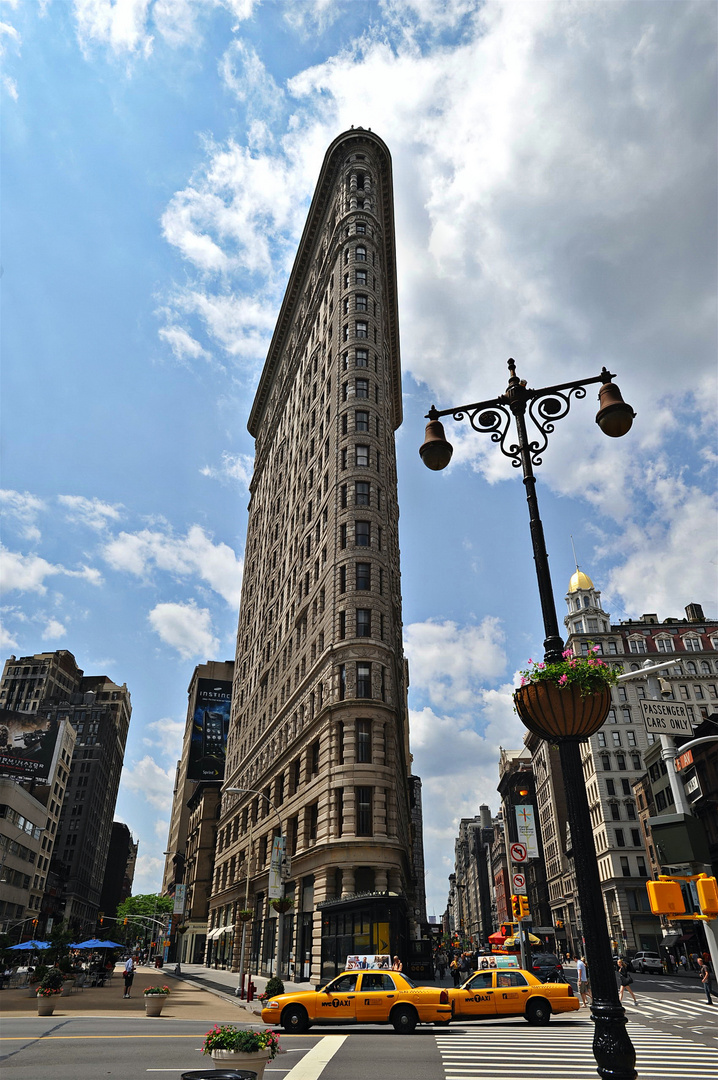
(91, 943)
(110, 945)
(29, 946)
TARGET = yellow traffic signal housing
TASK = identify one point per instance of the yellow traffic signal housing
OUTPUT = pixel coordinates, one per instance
(665, 897)
(524, 905)
(707, 889)
(516, 906)
(559, 924)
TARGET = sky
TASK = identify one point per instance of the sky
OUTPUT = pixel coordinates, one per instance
(555, 197)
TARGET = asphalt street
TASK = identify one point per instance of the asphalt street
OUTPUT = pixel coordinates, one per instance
(675, 1034)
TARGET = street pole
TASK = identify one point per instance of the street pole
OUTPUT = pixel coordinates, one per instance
(239, 992)
(612, 1047)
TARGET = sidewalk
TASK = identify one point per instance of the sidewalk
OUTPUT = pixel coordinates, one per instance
(188, 1000)
(222, 982)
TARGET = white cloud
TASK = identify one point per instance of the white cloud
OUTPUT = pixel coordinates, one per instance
(93, 513)
(246, 76)
(448, 662)
(7, 641)
(27, 573)
(194, 555)
(25, 508)
(10, 86)
(119, 24)
(182, 343)
(166, 733)
(147, 780)
(186, 628)
(238, 467)
(54, 630)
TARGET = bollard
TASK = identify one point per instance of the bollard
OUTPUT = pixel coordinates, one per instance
(250, 990)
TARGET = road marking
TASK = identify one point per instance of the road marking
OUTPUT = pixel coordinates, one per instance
(314, 1062)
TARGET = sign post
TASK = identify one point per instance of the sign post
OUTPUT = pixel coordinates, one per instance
(518, 853)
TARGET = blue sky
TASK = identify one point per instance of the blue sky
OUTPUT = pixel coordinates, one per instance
(555, 194)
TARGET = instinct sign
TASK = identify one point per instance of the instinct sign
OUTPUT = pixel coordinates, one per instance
(519, 884)
(666, 717)
(518, 852)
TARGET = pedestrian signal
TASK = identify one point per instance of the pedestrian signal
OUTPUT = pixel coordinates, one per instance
(665, 897)
(707, 890)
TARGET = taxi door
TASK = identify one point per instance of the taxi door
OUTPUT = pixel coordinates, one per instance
(512, 989)
(476, 997)
(336, 1004)
(375, 997)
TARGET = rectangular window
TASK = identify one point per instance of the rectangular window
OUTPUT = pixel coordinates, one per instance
(345, 424)
(625, 866)
(315, 757)
(610, 787)
(363, 622)
(362, 534)
(361, 328)
(362, 387)
(361, 421)
(344, 458)
(363, 577)
(615, 812)
(360, 254)
(637, 645)
(601, 738)
(343, 497)
(692, 644)
(636, 838)
(363, 680)
(620, 838)
(631, 737)
(360, 277)
(339, 809)
(342, 578)
(616, 736)
(621, 762)
(364, 741)
(612, 648)
(684, 693)
(664, 644)
(342, 681)
(364, 811)
(642, 872)
(362, 493)
(362, 302)
(342, 536)
(342, 625)
(636, 760)
(313, 820)
(626, 714)
(362, 358)
(362, 456)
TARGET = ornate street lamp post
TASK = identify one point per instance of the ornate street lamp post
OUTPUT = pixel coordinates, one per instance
(612, 1048)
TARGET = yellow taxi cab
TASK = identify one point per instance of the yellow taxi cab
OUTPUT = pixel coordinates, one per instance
(511, 992)
(361, 997)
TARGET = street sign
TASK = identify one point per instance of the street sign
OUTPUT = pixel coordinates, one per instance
(684, 760)
(519, 884)
(666, 717)
(274, 889)
(518, 852)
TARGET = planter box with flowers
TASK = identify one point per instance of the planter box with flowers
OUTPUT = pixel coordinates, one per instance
(46, 996)
(244, 915)
(568, 699)
(235, 1048)
(155, 997)
(282, 904)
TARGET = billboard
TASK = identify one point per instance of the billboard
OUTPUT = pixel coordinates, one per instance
(27, 745)
(210, 724)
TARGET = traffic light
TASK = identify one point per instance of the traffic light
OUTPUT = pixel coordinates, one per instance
(524, 906)
(101, 917)
(125, 921)
(516, 907)
(666, 898)
(707, 890)
(559, 924)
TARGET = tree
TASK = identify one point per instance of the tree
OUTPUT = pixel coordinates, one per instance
(139, 911)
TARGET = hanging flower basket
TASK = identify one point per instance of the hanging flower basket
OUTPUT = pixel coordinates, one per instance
(568, 699)
(244, 916)
(554, 713)
(282, 905)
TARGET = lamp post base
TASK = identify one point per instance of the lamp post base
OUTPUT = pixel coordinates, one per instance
(612, 1047)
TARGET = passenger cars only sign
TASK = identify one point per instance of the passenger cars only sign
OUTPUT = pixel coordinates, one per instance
(666, 717)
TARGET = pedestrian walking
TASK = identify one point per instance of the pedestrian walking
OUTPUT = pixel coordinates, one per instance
(441, 960)
(584, 986)
(128, 975)
(455, 972)
(683, 961)
(625, 980)
(706, 977)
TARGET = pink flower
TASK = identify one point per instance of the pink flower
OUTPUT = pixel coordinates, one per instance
(563, 680)
(541, 666)
(596, 648)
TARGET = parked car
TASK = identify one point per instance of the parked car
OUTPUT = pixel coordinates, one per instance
(646, 961)
(547, 967)
(488, 994)
(361, 997)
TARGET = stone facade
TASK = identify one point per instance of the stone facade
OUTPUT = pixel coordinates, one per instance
(319, 726)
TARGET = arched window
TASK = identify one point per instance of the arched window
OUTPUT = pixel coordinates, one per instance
(586, 601)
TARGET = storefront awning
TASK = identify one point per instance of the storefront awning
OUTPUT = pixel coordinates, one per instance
(215, 933)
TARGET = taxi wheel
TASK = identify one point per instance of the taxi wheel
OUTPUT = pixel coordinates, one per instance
(295, 1020)
(404, 1019)
(538, 1012)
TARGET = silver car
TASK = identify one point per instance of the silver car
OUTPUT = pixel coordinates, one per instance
(647, 961)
